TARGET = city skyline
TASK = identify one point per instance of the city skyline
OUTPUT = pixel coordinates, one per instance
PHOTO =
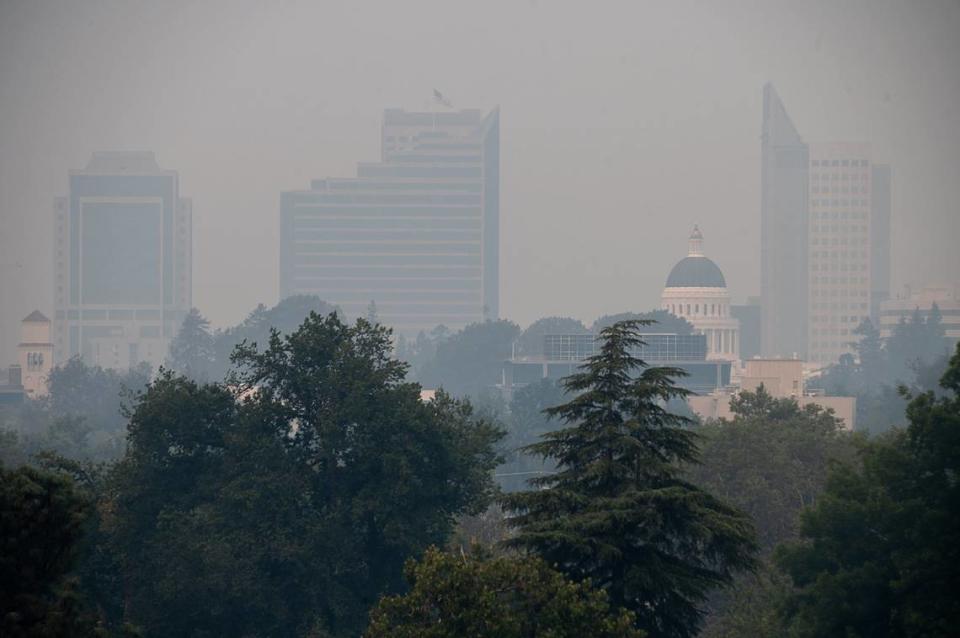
(614, 143)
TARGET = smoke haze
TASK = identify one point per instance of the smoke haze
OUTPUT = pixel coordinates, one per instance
(623, 124)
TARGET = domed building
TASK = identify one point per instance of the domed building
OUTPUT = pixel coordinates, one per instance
(697, 291)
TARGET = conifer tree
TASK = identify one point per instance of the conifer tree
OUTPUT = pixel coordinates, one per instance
(618, 511)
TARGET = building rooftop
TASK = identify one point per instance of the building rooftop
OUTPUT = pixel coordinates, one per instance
(36, 317)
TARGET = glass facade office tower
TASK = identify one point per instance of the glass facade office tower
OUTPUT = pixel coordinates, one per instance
(784, 160)
(417, 233)
(122, 262)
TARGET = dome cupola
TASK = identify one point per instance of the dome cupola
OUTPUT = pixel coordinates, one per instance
(695, 270)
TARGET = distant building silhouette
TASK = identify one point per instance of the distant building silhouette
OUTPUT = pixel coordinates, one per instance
(416, 233)
(784, 159)
(825, 240)
(122, 261)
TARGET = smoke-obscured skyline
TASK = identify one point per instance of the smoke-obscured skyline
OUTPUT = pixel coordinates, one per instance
(622, 126)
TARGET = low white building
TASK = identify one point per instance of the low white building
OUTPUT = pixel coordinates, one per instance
(697, 291)
(946, 296)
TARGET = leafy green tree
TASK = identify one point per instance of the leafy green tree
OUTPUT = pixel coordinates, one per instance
(256, 328)
(507, 597)
(654, 321)
(526, 424)
(471, 360)
(880, 550)
(770, 460)
(530, 341)
(42, 520)
(192, 350)
(285, 503)
(618, 511)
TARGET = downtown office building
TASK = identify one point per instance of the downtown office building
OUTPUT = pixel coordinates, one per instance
(825, 240)
(122, 262)
(415, 235)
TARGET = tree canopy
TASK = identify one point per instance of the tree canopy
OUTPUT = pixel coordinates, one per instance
(618, 511)
(880, 550)
(286, 502)
(506, 597)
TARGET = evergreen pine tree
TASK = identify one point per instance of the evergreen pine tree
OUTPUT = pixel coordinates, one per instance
(192, 350)
(618, 510)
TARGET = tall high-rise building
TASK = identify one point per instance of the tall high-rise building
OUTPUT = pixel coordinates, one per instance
(879, 239)
(841, 263)
(122, 261)
(784, 159)
(825, 240)
(416, 233)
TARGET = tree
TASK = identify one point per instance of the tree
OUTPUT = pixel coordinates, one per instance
(507, 597)
(192, 350)
(618, 511)
(530, 341)
(41, 525)
(526, 423)
(286, 502)
(880, 550)
(285, 317)
(654, 321)
(471, 360)
(770, 460)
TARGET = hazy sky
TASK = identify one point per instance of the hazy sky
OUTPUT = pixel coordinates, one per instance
(622, 125)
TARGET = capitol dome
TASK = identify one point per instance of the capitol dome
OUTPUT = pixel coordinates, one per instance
(696, 290)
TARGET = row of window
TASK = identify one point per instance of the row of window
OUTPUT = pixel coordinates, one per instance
(835, 319)
(839, 254)
(852, 190)
(842, 241)
(815, 267)
(839, 215)
(840, 162)
(839, 202)
(840, 280)
(838, 306)
(839, 228)
(839, 177)
(713, 310)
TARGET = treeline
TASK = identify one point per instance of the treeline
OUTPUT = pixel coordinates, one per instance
(308, 491)
(914, 355)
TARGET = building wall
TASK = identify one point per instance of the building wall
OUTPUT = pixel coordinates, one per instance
(122, 262)
(417, 233)
(783, 232)
(946, 296)
(708, 310)
(839, 286)
(880, 219)
(35, 356)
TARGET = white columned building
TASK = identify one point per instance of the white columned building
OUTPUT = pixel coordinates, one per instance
(697, 291)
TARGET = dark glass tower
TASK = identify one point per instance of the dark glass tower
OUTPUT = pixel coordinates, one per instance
(784, 180)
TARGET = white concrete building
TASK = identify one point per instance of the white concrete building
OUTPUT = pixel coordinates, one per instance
(697, 291)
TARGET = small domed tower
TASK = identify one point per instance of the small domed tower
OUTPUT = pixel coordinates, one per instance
(697, 291)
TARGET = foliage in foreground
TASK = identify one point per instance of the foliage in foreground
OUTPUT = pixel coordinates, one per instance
(291, 510)
(506, 597)
(42, 521)
(618, 511)
(880, 551)
(770, 460)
